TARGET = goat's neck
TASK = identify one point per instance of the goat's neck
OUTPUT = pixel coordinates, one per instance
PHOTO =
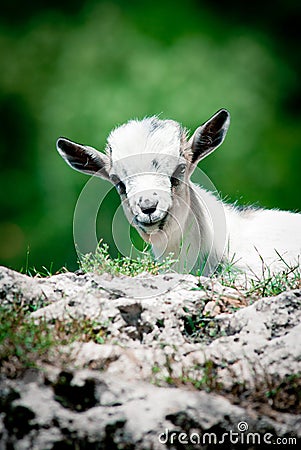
(194, 237)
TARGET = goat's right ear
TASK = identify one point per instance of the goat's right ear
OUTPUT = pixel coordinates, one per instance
(84, 159)
(209, 136)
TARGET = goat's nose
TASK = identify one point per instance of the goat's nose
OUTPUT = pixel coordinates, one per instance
(148, 206)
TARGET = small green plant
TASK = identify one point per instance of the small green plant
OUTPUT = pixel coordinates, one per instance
(269, 284)
(273, 284)
(155, 369)
(209, 378)
(227, 273)
(269, 392)
(201, 328)
(84, 330)
(43, 272)
(204, 377)
(101, 262)
(24, 342)
(285, 394)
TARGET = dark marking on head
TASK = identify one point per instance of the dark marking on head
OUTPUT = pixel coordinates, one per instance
(154, 124)
(162, 223)
(155, 163)
(109, 150)
(247, 210)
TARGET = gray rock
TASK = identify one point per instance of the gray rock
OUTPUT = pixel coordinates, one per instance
(116, 394)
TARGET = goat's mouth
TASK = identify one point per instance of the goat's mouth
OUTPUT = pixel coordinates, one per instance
(149, 224)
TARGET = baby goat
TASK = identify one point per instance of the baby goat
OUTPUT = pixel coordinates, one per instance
(150, 163)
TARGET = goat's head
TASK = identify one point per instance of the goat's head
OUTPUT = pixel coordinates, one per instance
(150, 162)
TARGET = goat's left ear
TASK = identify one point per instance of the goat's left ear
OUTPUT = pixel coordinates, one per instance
(209, 136)
(83, 158)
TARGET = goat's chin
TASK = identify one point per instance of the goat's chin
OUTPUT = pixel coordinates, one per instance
(151, 226)
(148, 229)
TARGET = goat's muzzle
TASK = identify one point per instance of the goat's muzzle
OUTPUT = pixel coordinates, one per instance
(150, 221)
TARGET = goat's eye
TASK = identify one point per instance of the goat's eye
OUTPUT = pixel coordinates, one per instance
(178, 175)
(121, 188)
(182, 168)
(119, 185)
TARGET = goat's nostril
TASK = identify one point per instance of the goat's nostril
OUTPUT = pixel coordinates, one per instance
(148, 211)
(148, 206)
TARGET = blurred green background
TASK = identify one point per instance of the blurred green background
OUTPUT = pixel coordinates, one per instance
(79, 68)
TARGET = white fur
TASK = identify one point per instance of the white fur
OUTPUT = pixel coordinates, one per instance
(134, 138)
(264, 240)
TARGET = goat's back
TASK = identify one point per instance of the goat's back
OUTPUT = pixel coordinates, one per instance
(264, 238)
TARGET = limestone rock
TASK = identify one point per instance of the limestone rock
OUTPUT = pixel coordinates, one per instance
(177, 357)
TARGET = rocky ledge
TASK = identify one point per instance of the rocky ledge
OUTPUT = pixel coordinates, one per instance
(167, 361)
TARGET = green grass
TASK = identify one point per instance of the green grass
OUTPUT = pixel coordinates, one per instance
(101, 262)
(273, 284)
(204, 377)
(43, 272)
(207, 379)
(199, 328)
(268, 285)
(25, 342)
(22, 341)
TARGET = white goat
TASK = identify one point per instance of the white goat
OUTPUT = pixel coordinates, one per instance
(150, 163)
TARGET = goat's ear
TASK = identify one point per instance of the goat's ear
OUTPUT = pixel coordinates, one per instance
(208, 136)
(84, 159)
